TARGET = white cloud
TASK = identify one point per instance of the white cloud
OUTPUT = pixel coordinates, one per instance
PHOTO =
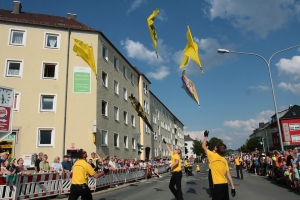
(162, 15)
(264, 116)
(289, 67)
(294, 88)
(135, 5)
(138, 51)
(259, 87)
(159, 73)
(195, 134)
(256, 16)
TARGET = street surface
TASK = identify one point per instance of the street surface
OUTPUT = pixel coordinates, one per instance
(196, 187)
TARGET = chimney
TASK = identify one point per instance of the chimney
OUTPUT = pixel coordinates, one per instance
(261, 124)
(71, 16)
(17, 7)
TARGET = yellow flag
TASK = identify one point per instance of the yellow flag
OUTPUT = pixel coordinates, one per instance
(150, 23)
(85, 51)
(190, 51)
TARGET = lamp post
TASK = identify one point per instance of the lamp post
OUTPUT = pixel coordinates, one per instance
(270, 75)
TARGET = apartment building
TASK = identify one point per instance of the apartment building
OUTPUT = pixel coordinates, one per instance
(61, 105)
(55, 91)
(166, 126)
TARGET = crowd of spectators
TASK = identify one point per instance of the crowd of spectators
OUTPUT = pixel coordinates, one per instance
(281, 166)
(10, 169)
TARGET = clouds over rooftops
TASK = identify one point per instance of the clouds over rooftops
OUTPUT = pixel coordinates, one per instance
(260, 17)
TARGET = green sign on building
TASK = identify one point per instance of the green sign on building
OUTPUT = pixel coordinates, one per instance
(82, 80)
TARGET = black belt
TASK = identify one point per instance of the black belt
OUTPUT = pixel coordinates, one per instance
(176, 171)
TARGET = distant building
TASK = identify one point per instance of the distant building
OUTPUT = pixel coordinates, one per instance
(189, 144)
(289, 121)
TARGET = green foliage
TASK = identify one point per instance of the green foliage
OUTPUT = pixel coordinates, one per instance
(213, 142)
(197, 147)
(251, 145)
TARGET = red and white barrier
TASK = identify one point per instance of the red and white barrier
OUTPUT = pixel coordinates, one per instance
(37, 186)
(52, 184)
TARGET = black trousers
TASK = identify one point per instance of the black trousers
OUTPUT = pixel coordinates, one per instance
(176, 180)
(239, 170)
(220, 192)
(80, 190)
(210, 182)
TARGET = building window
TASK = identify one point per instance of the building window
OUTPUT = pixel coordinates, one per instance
(46, 137)
(294, 127)
(104, 52)
(116, 87)
(17, 101)
(124, 71)
(133, 143)
(116, 113)
(125, 142)
(116, 63)
(104, 79)
(104, 108)
(295, 138)
(103, 138)
(14, 68)
(52, 41)
(17, 37)
(132, 78)
(133, 120)
(49, 71)
(116, 140)
(125, 116)
(47, 103)
(125, 93)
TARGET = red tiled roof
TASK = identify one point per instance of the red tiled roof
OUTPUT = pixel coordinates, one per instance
(42, 19)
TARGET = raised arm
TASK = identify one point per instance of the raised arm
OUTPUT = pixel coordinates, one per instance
(204, 147)
(168, 147)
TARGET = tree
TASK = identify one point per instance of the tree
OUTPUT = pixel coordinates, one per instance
(213, 142)
(254, 144)
(197, 147)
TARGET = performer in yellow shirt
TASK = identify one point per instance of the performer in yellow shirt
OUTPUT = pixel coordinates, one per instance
(81, 171)
(176, 172)
(219, 167)
(238, 165)
(185, 165)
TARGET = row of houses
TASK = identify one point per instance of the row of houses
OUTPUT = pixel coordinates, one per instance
(60, 105)
(289, 121)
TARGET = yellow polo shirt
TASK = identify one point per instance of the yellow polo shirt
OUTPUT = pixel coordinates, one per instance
(81, 172)
(173, 158)
(238, 161)
(219, 166)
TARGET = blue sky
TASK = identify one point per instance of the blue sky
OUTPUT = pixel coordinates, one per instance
(234, 92)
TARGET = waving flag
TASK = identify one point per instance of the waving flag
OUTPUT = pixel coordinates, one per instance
(189, 87)
(190, 51)
(139, 109)
(150, 23)
(85, 51)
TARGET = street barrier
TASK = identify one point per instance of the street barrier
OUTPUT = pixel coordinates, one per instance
(52, 184)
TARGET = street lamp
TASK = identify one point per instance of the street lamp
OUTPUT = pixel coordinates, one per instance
(268, 64)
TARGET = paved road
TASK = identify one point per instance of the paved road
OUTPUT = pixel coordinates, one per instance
(196, 187)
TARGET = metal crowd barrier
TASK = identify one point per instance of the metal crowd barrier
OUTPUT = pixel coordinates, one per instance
(52, 184)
